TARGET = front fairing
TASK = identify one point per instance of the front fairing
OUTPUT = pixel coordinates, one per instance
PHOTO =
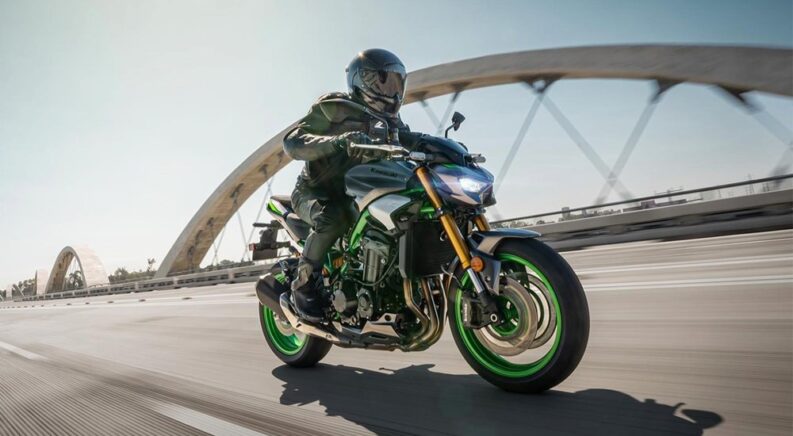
(443, 150)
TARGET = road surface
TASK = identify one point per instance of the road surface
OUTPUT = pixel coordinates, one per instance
(687, 337)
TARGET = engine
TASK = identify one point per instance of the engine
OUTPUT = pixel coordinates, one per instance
(375, 248)
(378, 290)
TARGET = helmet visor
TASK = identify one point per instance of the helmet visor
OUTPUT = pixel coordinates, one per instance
(388, 82)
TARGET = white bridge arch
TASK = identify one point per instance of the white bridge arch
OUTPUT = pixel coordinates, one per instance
(736, 69)
(90, 266)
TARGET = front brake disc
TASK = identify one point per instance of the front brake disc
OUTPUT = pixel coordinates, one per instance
(517, 333)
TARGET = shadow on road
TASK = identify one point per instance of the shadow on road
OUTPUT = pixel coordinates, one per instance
(417, 400)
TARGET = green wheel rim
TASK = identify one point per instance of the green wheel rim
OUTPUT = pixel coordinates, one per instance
(510, 314)
(492, 361)
(289, 345)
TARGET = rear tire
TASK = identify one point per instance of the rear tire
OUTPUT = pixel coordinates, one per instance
(571, 330)
(294, 350)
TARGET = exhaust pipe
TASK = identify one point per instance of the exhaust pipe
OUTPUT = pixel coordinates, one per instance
(299, 325)
(436, 316)
(269, 291)
(431, 326)
(272, 294)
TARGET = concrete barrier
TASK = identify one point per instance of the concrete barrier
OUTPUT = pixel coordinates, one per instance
(758, 212)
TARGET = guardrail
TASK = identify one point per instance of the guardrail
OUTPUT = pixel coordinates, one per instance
(673, 198)
(241, 274)
(769, 211)
(723, 209)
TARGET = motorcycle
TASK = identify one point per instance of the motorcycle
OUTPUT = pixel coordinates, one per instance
(421, 252)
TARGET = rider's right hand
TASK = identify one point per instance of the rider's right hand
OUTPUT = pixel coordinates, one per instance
(345, 139)
(357, 137)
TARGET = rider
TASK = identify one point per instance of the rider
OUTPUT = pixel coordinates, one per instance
(376, 81)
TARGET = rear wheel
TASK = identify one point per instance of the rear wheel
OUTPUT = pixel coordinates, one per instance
(292, 347)
(546, 321)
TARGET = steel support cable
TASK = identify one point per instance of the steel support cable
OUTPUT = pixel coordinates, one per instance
(770, 123)
(781, 132)
(267, 194)
(627, 149)
(539, 87)
(783, 164)
(430, 113)
(216, 245)
(524, 128)
(69, 271)
(242, 233)
(584, 146)
(774, 126)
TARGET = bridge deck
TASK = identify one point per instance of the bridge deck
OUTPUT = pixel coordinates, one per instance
(704, 322)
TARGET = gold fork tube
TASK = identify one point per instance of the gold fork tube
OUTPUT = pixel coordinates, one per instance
(481, 223)
(452, 231)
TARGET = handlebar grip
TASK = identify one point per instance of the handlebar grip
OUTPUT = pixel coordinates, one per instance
(381, 147)
(267, 225)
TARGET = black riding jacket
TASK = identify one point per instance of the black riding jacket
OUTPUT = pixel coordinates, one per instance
(316, 141)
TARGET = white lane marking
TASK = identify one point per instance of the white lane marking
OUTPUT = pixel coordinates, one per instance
(24, 353)
(198, 299)
(672, 265)
(752, 281)
(201, 421)
(179, 297)
(718, 241)
(132, 305)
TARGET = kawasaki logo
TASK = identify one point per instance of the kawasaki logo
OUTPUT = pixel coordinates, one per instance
(385, 173)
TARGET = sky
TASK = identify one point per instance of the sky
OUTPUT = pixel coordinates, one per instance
(118, 119)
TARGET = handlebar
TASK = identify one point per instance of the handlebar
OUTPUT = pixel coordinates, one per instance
(395, 150)
(267, 225)
(388, 148)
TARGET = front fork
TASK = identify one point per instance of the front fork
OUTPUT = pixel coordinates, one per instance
(459, 244)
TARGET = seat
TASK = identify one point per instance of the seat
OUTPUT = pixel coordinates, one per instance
(296, 227)
(284, 200)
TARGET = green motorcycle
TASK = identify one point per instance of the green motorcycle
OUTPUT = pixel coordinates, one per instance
(422, 252)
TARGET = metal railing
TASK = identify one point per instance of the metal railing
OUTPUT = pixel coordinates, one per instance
(637, 219)
(242, 274)
(673, 198)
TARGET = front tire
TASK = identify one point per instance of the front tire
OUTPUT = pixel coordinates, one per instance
(544, 366)
(293, 348)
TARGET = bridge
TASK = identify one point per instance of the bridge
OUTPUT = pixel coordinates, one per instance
(690, 294)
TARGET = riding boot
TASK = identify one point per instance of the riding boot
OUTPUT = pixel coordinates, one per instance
(305, 291)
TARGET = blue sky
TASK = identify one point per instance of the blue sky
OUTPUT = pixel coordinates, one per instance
(118, 119)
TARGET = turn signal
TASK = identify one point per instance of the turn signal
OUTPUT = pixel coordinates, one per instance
(477, 264)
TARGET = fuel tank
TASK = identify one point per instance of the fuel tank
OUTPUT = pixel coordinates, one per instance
(367, 182)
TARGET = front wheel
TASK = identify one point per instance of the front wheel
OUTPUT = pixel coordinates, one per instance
(546, 321)
(292, 347)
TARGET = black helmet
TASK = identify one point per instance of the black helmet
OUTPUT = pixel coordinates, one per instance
(377, 78)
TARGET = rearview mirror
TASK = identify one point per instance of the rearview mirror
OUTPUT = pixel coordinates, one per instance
(457, 119)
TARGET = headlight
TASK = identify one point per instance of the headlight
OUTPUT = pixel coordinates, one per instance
(472, 185)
